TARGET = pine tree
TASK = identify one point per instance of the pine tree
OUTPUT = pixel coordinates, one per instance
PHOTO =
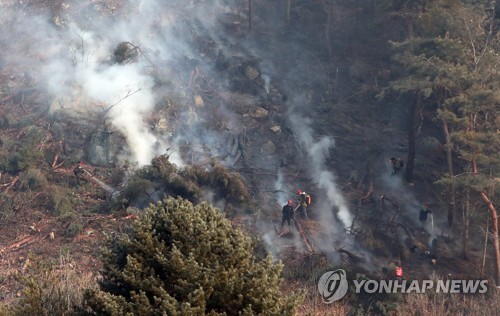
(454, 63)
(181, 259)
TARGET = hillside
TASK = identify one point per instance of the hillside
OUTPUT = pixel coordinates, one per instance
(238, 106)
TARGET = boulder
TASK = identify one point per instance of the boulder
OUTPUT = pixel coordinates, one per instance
(259, 113)
(276, 129)
(104, 147)
(162, 125)
(251, 72)
(268, 148)
(198, 100)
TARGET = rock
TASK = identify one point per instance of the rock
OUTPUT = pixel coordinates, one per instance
(251, 72)
(104, 147)
(57, 130)
(198, 101)
(162, 125)
(79, 155)
(97, 155)
(268, 148)
(276, 129)
(259, 113)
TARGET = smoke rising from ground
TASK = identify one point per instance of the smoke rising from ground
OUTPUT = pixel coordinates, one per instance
(317, 152)
(73, 61)
(74, 58)
(404, 197)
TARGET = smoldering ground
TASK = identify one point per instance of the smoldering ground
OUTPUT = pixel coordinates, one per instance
(73, 60)
(71, 56)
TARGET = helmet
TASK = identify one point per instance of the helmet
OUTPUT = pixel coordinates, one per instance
(290, 202)
(299, 191)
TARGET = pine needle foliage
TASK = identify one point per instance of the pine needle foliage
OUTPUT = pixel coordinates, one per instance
(190, 182)
(182, 259)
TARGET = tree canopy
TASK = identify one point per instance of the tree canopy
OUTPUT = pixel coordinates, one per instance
(182, 259)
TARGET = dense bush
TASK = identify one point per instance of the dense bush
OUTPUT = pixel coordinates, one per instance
(7, 120)
(23, 154)
(188, 260)
(33, 179)
(190, 183)
(60, 202)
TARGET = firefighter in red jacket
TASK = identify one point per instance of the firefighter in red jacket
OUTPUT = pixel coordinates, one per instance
(303, 200)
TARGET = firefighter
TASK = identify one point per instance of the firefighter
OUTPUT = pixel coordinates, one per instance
(398, 272)
(393, 271)
(303, 200)
(424, 212)
(397, 164)
(287, 213)
(78, 172)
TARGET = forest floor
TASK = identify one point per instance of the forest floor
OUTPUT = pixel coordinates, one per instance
(366, 133)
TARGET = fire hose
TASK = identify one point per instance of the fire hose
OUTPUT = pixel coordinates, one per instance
(302, 234)
(103, 185)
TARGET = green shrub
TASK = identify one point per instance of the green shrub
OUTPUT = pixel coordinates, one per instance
(26, 154)
(60, 202)
(7, 121)
(6, 204)
(136, 189)
(188, 260)
(32, 179)
(74, 228)
(189, 183)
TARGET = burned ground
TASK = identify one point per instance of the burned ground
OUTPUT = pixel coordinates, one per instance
(236, 112)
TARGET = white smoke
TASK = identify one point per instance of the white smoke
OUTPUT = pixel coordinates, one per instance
(280, 188)
(76, 66)
(127, 93)
(317, 152)
(410, 205)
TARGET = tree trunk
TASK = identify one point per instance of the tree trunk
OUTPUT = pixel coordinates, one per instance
(249, 15)
(465, 234)
(496, 243)
(328, 8)
(487, 227)
(452, 206)
(288, 10)
(410, 161)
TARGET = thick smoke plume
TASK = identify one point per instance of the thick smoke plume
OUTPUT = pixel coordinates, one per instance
(74, 58)
(317, 152)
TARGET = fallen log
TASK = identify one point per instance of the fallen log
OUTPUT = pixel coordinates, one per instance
(355, 258)
(10, 185)
(23, 242)
(304, 237)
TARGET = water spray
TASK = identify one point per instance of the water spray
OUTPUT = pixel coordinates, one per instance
(110, 190)
(432, 224)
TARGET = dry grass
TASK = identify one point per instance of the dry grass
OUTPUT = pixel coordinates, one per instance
(312, 303)
(58, 288)
(440, 304)
(451, 304)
